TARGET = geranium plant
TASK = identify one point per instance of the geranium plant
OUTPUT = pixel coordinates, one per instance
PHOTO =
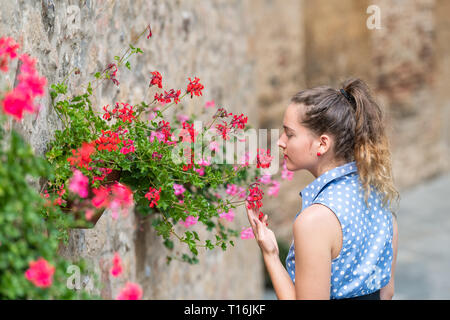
(133, 155)
(30, 267)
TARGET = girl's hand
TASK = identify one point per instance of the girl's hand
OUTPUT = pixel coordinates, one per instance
(264, 236)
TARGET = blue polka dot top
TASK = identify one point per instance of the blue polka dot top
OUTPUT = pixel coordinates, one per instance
(364, 263)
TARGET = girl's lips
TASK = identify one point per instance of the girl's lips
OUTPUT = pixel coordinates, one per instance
(285, 156)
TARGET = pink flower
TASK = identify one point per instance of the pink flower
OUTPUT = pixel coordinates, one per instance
(8, 48)
(266, 179)
(247, 233)
(190, 221)
(132, 291)
(128, 146)
(40, 273)
(244, 161)
(21, 98)
(273, 190)
(16, 102)
(231, 189)
(227, 215)
(101, 198)
(214, 145)
(158, 134)
(204, 162)
(182, 118)
(89, 214)
(122, 199)
(116, 269)
(29, 77)
(242, 192)
(210, 104)
(178, 189)
(285, 173)
(79, 184)
(200, 171)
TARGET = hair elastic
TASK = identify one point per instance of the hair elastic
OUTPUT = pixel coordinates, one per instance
(348, 96)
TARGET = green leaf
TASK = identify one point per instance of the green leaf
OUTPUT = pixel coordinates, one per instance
(196, 235)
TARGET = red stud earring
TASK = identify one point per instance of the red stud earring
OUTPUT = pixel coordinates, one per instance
(318, 154)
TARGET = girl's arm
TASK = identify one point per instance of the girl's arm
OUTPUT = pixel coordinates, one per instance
(387, 292)
(282, 283)
(314, 232)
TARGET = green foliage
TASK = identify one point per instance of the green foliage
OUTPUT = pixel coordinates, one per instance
(140, 170)
(26, 233)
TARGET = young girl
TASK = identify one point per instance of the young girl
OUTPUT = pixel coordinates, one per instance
(345, 237)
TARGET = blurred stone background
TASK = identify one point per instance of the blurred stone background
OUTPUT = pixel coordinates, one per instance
(252, 56)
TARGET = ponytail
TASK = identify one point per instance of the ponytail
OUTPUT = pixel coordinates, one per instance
(371, 150)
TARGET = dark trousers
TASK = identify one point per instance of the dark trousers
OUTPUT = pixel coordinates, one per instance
(372, 296)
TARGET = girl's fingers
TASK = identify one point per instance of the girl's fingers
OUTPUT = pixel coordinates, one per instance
(256, 230)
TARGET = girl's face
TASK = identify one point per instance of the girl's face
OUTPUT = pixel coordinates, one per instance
(299, 145)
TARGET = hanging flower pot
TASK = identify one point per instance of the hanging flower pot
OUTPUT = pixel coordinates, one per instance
(85, 214)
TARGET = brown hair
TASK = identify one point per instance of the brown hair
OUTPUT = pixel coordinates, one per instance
(356, 122)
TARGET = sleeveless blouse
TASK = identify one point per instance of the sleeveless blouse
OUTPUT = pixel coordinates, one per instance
(364, 263)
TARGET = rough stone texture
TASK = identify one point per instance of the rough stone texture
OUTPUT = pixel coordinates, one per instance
(406, 57)
(276, 43)
(253, 56)
(201, 38)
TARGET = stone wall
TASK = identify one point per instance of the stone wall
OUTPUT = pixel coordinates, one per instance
(190, 38)
(252, 55)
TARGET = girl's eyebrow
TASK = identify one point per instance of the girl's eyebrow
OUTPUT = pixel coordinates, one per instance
(287, 128)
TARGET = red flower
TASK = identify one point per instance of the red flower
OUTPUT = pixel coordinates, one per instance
(156, 79)
(254, 200)
(40, 273)
(106, 115)
(239, 121)
(263, 158)
(167, 96)
(188, 133)
(194, 87)
(164, 128)
(153, 196)
(125, 113)
(108, 141)
(82, 156)
(223, 130)
(190, 154)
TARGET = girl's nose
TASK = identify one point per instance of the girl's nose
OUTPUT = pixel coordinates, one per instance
(281, 144)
